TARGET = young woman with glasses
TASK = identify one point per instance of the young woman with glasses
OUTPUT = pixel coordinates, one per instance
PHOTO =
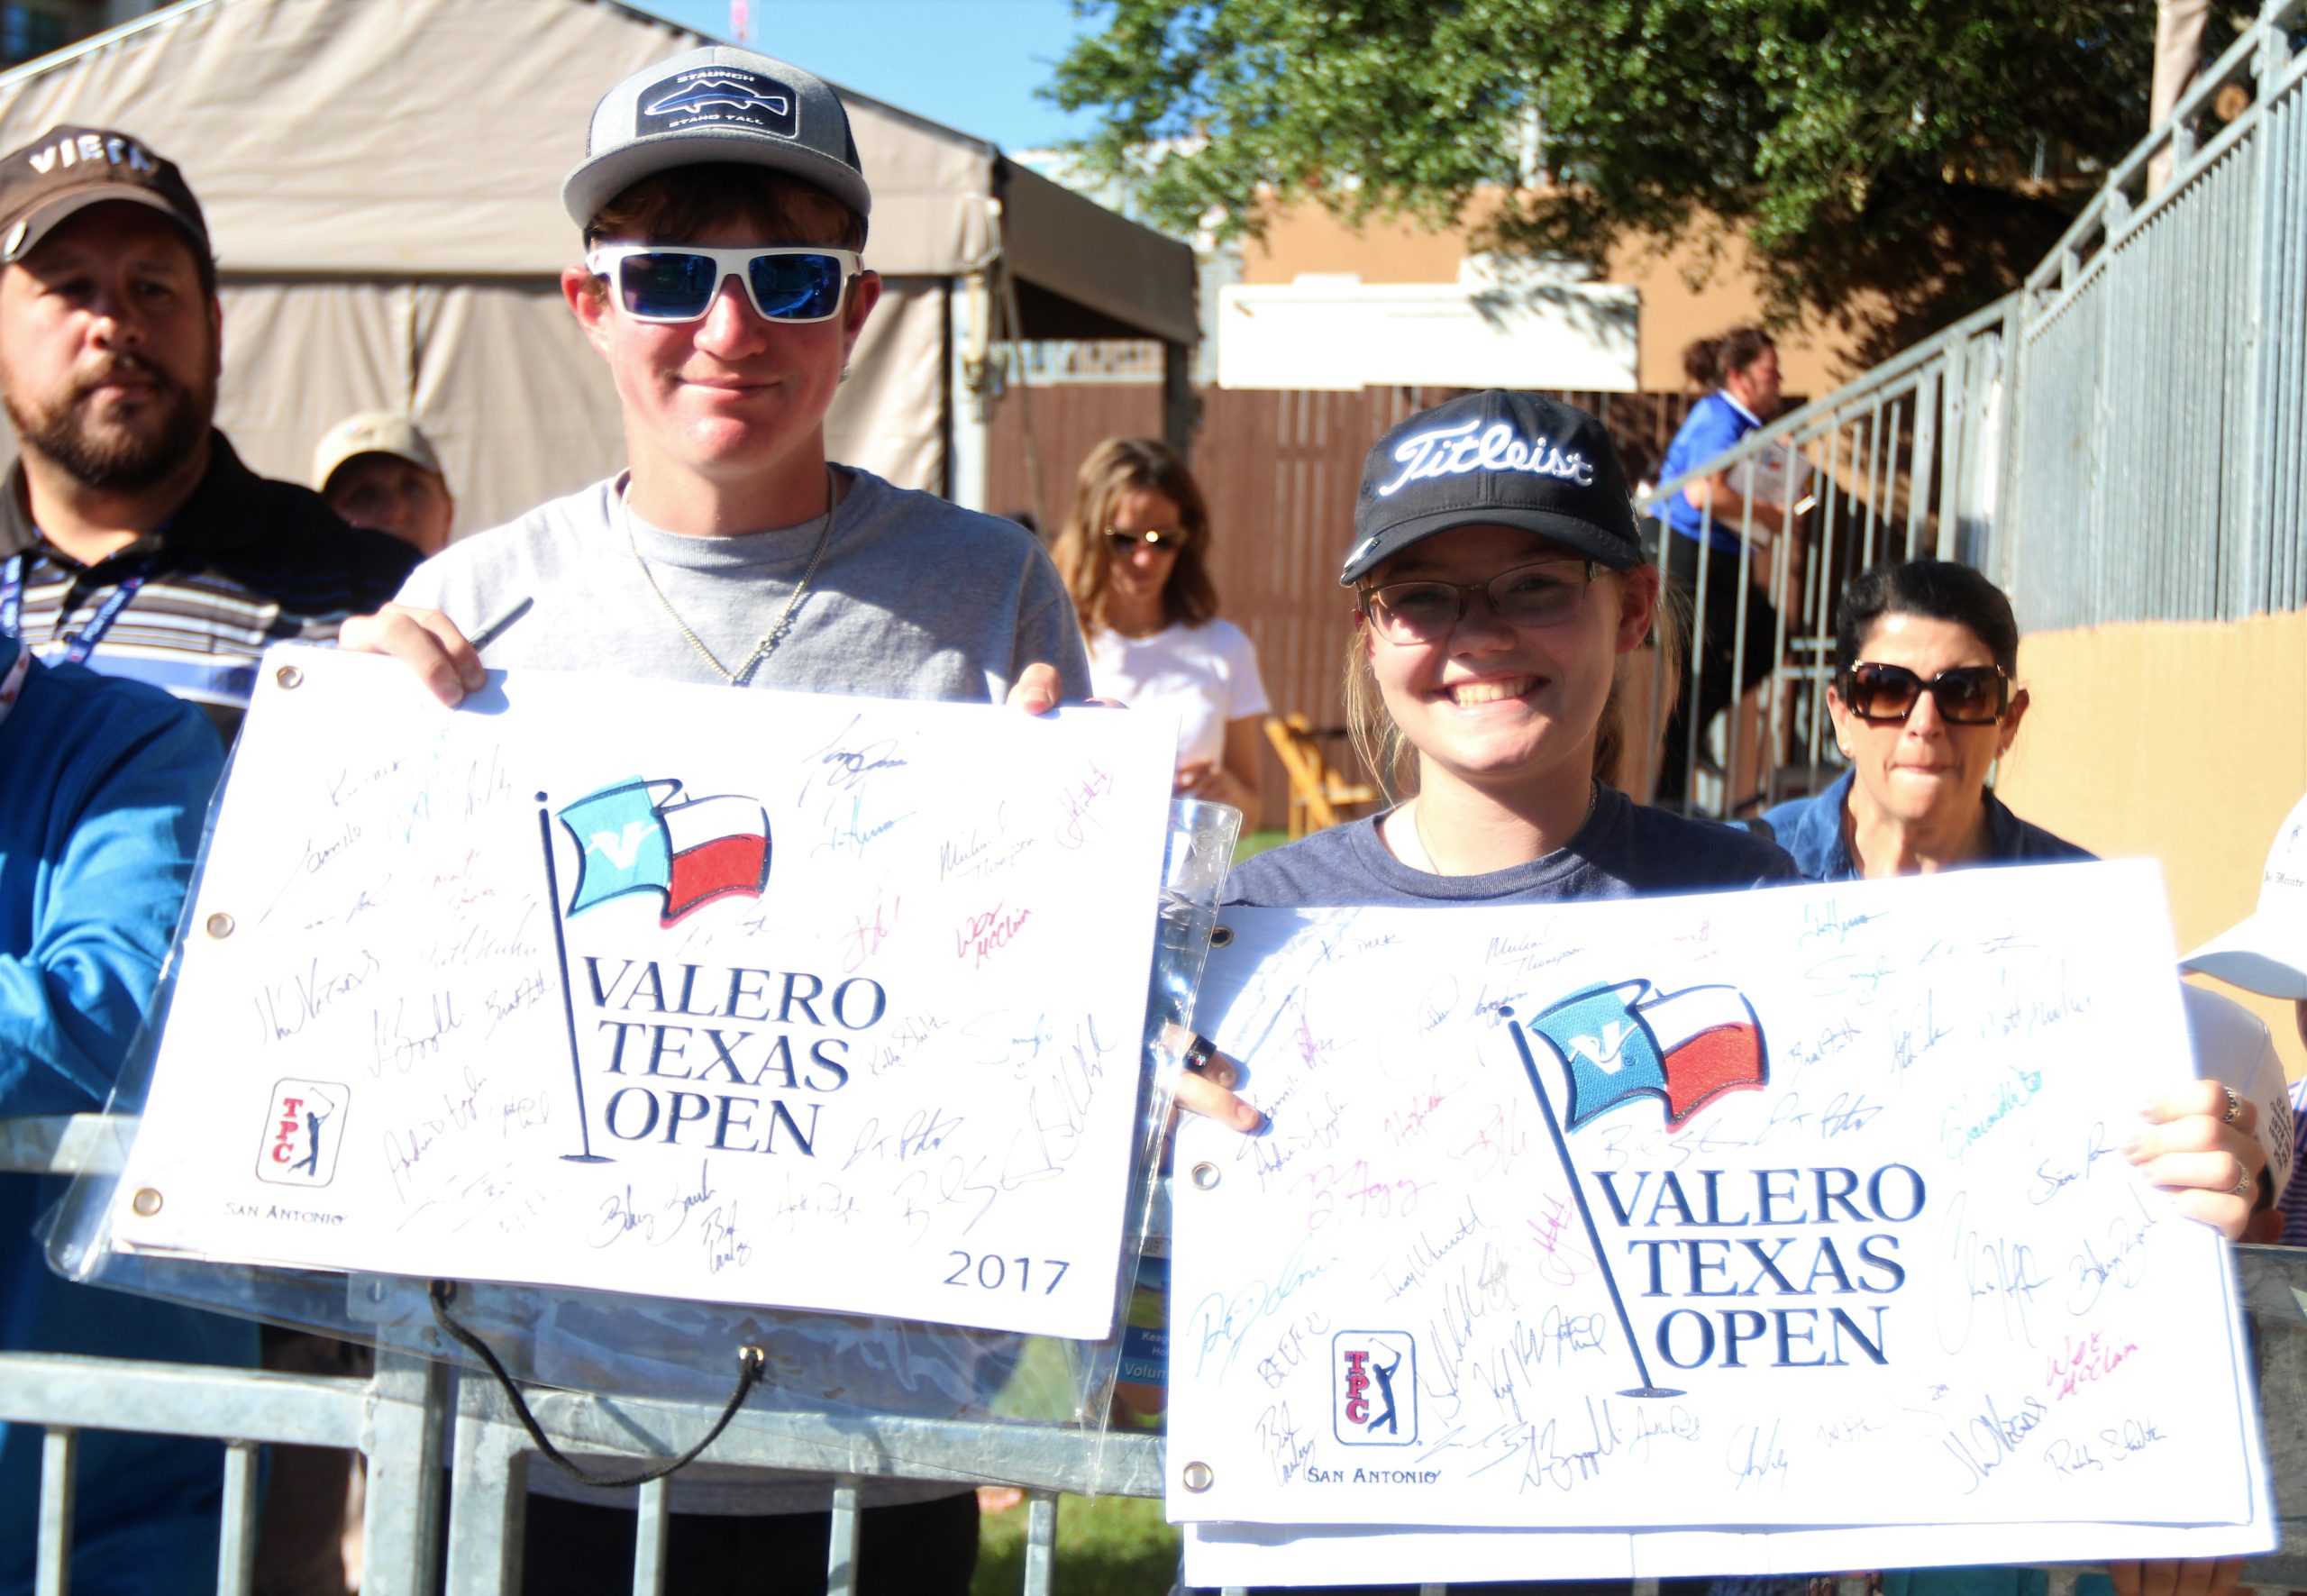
(1924, 700)
(1497, 582)
(1132, 553)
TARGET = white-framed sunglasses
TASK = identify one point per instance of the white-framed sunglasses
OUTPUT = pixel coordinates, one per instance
(676, 282)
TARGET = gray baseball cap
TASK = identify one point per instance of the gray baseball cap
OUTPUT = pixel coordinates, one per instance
(714, 105)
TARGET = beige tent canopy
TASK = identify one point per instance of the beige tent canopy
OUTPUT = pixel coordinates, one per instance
(382, 179)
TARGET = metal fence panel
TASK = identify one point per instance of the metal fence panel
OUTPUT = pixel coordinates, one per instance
(2124, 438)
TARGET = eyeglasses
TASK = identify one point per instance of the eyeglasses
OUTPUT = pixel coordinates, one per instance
(1528, 595)
(1968, 695)
(1169, 538)
(676, 282)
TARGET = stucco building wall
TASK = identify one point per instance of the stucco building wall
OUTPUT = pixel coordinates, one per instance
(2184, 741)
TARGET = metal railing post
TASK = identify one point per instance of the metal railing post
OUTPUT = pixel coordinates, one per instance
(59, 1456)
(408, 1411)
(651, 1534)
(236, 1547)
(841, 1549)
(488, 1506)
(2243, 592)
(1040, 1543)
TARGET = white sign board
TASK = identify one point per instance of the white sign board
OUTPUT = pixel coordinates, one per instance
(741, 996)
(1782, 1209)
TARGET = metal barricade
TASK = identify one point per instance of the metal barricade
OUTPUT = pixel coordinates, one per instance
(412, 1417)
(2122, 438)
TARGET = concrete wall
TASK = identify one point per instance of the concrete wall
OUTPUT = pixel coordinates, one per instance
(1698, 287)
(2185, 741)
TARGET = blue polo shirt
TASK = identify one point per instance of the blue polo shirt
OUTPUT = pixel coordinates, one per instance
(1714, 424)
(1810, 829)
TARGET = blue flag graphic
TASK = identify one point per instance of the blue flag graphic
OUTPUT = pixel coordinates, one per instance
(1610, 1052)
(621, 844)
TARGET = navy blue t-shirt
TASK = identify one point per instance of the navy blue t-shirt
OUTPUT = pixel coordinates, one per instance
(1625, 850)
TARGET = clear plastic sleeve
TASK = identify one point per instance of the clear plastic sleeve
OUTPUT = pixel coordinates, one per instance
(632, 1345)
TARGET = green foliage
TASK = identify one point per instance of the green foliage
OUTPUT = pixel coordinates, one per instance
(1879, 144)
(1251, 844)
(1109, 1546)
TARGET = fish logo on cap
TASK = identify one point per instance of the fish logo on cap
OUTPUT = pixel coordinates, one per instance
(721, 95)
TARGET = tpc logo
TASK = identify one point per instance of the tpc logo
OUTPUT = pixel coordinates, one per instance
(1373, 1377)
(302, 1132)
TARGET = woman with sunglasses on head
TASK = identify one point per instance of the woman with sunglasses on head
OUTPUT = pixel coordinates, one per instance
(1924, 703)
(1132, 553)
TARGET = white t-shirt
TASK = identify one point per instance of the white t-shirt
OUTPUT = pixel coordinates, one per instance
(1205, 676)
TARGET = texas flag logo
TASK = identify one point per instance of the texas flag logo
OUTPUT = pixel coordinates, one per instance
(644, 836)
(1625, 1040)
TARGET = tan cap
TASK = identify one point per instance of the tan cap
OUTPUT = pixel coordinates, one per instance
(372, 432)
(2268, 951)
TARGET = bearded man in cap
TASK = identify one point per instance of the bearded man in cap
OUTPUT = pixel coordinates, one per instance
(724, 213)
(132, 538)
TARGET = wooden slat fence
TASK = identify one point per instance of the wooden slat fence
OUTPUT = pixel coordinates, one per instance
(1279, 470)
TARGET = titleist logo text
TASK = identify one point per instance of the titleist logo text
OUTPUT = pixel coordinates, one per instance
(1455, 450)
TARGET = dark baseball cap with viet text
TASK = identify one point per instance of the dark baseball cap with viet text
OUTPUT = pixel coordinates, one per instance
(67, 169)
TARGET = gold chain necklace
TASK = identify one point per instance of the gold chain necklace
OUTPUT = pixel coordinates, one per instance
(769, 639)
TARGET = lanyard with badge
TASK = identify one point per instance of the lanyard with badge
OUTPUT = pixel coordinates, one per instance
(12, 678)
(77, 645)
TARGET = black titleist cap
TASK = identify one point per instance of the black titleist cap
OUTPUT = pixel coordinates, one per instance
(1495, 458)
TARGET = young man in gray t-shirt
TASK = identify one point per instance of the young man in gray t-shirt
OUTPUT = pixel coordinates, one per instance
(723, 210)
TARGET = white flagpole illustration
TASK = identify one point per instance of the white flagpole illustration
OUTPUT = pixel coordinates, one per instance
(567, 996)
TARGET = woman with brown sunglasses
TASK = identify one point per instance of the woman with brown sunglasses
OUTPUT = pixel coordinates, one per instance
(1924, 704)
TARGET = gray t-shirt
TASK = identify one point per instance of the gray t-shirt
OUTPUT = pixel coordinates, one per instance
(914, 597)
(1625, 850)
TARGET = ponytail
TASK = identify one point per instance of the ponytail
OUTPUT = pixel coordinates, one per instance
(1707, 361)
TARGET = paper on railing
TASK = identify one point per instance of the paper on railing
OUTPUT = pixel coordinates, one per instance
(751, 998)
(1851, 1237)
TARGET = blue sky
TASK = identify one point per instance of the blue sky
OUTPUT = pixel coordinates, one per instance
(970, 64)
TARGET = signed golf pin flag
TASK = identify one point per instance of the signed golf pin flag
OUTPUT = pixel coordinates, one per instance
(1625, 1040)
(690, 851)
